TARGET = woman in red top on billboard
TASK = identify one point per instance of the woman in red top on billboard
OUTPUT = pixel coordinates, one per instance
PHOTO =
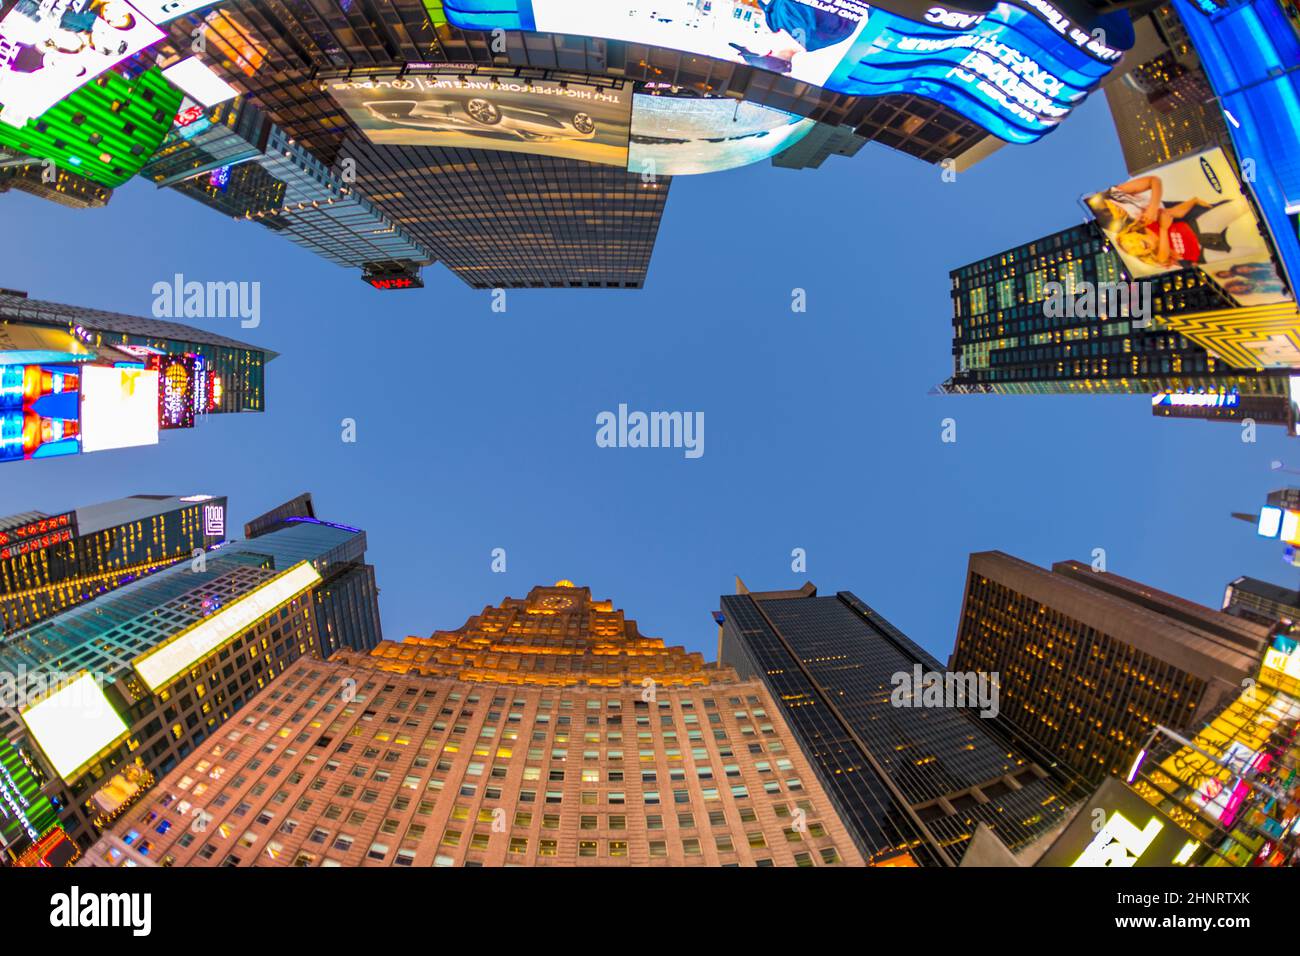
(1166, 235)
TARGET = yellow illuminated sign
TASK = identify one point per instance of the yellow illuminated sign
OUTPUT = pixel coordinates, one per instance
(73, 724)
(165, 663)
(1119, 842)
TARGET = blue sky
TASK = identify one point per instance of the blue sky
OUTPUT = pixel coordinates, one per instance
(476, 430)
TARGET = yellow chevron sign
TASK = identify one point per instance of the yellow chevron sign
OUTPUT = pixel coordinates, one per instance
(1255, 337)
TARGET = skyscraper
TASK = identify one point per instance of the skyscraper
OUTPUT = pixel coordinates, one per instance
(236, 371)
(1005, 341)
(1090, 662)
(52, 562)
(50, 182)
(506, 219)
(546, 731)
(234, 159)
(101, 699)
(1268, 604)
(912, 779)
(1164, 108)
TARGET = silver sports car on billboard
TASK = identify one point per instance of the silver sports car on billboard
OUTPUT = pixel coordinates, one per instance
(479, 113)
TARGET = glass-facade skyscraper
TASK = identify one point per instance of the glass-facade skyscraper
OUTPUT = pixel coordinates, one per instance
(912, 782)
(1006, 343)
(109, 695)
(51, 562)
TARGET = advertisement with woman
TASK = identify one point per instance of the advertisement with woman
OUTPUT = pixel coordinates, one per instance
(50, 48)
(1191, 212)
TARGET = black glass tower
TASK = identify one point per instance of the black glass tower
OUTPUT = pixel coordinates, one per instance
(1006, 343)
(908, 780)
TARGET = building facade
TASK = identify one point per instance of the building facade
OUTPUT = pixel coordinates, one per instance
(1091, 662)
(1268, 604)
(545, 731)
(1164, 107)
(106, 697)
(912, 781)
(1006, 342)
(238, 369)
(52, 562)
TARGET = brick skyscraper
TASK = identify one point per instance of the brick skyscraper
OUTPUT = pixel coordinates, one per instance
(545, 731)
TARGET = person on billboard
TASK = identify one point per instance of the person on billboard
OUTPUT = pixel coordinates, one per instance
(1251, 278)
(800, 28)
(1165, 234)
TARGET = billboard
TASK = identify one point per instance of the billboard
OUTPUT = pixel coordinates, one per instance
(49, 48)
(38, 534)
(73, 724)
(163, 664)
(1131, 833)
(1016, 70)
(1190, 212)
(567, 120)
(25, 813)
(178, 388)
(681, 136)
(39, 411)
(119, 407)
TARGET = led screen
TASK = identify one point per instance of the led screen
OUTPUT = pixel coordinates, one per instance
(571, 121)
(177, 388)
(73, 724)
(119, 407)
(187, 648)
(198, 82)
(39, 411)
(679, 136)
(49, 48)
(1190, 212)
(1017, 70)
(1131, 833)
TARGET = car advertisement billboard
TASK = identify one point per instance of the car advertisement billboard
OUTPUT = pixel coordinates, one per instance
(39, 411)
(119, 407)
(681, 136)
(567, 120)
(1190, 212)
(49, 48)
(1017, 70)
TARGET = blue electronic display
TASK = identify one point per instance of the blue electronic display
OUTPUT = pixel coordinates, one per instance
(1017, 70)
(1251, 56)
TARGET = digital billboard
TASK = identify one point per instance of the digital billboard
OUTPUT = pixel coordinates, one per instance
(1190, 212)
(1016, 70)
(1230, 751)
(160, 666)
(119, 407)
(73, 724)
(49, 48)
(39, 411)
(681, 136)
(567, 120)
(178, 388)
(38, 534)
(198, 82)
(1131, 833)
(25, 813)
